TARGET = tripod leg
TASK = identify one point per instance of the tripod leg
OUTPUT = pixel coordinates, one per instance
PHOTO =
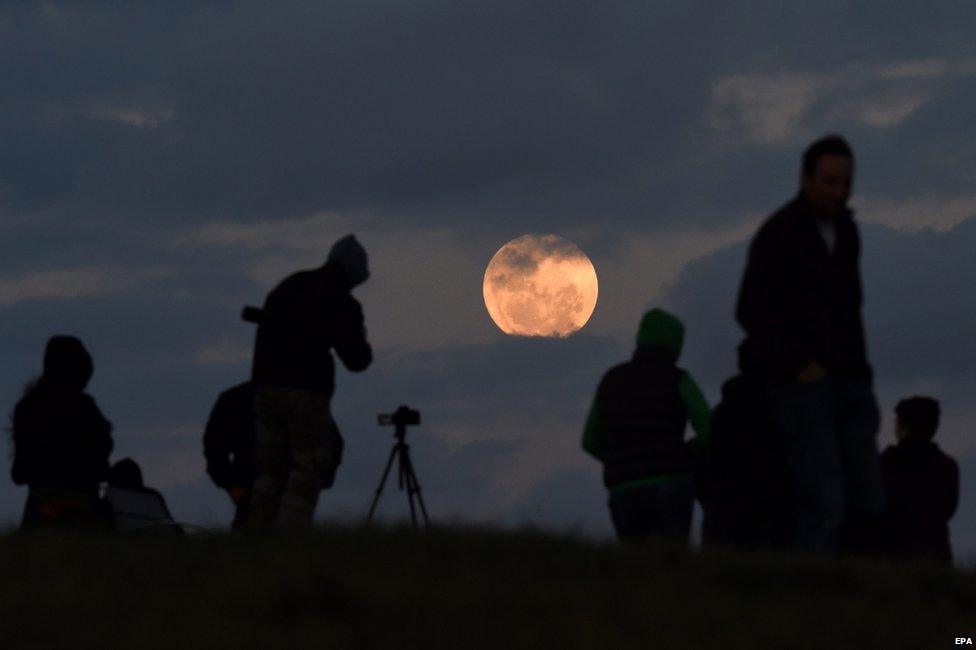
(405, 476)
(379, 490)
(414, 489)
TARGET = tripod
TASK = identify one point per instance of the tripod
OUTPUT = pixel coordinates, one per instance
(406, 476)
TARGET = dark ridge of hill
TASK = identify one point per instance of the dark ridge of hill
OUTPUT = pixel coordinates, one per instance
(460, 589)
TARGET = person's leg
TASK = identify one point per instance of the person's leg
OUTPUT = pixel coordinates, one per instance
(857, 430)
(270, 457)
(674, 504)
(632, 514)
(804, 415)
(311, 448)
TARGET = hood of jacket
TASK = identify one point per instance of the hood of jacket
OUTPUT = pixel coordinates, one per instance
(662, 332)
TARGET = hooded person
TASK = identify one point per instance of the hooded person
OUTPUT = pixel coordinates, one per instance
(307, 316)
(61, 441)
(636, 428)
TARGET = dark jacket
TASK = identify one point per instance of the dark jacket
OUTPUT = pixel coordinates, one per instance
(637, 421)
(798, 302)
(743, 482)
(922, 485)
(228, 441)
(61, 439)
(307, 315)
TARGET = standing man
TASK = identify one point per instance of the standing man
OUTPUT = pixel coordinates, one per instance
(800, 305)
(305, 317)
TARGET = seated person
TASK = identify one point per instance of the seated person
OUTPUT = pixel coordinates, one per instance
(61, 441)
(922, 484)
(131, 505)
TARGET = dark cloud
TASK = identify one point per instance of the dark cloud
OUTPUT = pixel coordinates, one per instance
(545, 112)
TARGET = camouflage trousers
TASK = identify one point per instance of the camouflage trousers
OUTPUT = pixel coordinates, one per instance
(294, 442)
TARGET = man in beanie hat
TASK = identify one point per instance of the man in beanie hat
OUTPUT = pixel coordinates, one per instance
(305, 317)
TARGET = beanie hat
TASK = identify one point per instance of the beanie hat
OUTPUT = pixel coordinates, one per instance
(350, 257)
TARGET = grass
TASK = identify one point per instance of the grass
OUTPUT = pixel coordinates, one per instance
(355, 588)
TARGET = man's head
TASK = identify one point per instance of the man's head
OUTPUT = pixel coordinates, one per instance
(349, 257)
(67, 363)
(828, 175)
(126, 474)
(917, 417)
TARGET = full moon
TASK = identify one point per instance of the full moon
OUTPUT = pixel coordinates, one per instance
(540, 285)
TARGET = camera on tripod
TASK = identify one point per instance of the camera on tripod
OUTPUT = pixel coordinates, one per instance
(402, 417)
(406, 477)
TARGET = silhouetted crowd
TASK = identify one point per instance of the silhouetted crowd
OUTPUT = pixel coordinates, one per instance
(271, 442)
(787, 459)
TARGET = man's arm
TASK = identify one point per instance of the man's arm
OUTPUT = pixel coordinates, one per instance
(592, 440)
(699, 414)
(217, 447)
(98, 431)
(350, 336)
(953, 502)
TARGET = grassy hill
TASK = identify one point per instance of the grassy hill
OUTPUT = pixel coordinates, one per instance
(459, 589)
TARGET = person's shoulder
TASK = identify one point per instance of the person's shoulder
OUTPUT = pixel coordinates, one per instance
(82, 399)
(294, 282)
(782, 219)
(623, 368)
(236, 393)
(87, 408)
(347, 303)
(945, 459)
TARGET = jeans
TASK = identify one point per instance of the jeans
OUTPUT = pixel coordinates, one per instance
(829, 429)
(655, 510)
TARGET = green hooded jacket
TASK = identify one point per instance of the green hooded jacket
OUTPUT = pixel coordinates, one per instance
(659, 332)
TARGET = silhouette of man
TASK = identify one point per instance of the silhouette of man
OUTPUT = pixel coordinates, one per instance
(636, 428)
(800, 306)
(921, 482)
(305, 317)
(228, 445)
(61, 441)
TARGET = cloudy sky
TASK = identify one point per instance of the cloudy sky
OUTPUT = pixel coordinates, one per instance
(163, 164)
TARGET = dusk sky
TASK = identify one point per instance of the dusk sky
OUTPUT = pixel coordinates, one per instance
(164, 164)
